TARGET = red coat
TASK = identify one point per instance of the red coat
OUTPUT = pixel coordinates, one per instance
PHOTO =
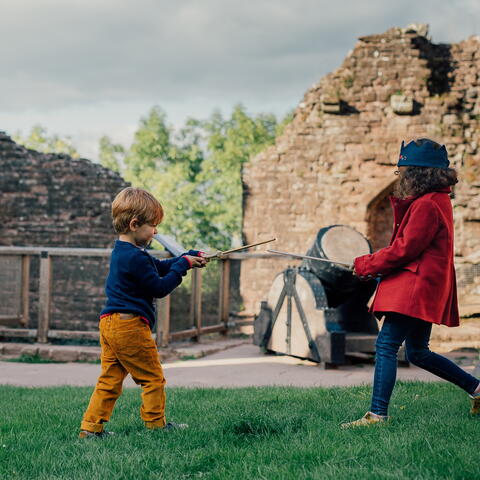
(417, 269)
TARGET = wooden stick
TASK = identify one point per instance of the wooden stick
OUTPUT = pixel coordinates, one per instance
(294, 255)
(220, 254)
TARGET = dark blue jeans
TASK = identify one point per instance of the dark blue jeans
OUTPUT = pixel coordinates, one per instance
(396, 329)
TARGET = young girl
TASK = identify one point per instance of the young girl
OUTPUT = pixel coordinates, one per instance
(417, 276)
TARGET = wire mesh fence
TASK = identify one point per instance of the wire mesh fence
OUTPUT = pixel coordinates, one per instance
(11, 286)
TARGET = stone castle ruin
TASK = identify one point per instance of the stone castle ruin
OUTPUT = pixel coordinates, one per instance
(334, 163)
(53, 200)
(50, 200)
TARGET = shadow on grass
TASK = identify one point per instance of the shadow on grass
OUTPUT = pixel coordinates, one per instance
(259, 425)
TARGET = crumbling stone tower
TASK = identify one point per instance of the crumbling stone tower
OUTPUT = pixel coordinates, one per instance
(334, 163)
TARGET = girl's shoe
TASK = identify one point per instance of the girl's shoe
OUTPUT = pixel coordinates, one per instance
(367, 420)
(475, 410)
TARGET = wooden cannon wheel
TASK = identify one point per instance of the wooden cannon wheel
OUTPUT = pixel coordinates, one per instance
(297, 300)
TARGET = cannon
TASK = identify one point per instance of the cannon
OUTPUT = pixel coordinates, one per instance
(318, 311)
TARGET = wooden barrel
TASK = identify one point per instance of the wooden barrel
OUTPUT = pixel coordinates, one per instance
(342, 244)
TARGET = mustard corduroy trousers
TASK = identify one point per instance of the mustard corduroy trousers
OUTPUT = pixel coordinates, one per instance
(127, 348)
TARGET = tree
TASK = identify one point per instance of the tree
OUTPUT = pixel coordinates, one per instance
(196, 171)
(112, 155)
(230, 144)
(39, 140)
(151, 149)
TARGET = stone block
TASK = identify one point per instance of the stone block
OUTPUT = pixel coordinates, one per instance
(44, 352)
(331, 108)
(450, 119)
(60, 354)
(29, 350)
(369, 95)
(12, 349)
(402, 104)
(90, 355)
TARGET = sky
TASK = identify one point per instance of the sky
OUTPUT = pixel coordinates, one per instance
(87, 68)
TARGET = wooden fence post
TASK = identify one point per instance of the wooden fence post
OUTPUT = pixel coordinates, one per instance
(163, 321)
(224, 295)
(25, 290)
(44, 296)
(196, 302)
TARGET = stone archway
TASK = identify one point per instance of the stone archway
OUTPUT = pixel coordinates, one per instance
(379, 218)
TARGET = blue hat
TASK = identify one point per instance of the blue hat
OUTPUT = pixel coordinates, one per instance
(423, 155)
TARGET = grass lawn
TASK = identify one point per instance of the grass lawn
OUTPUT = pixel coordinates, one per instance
(250, 433)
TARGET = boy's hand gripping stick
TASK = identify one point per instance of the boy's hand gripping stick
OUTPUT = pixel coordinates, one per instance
(222, 254)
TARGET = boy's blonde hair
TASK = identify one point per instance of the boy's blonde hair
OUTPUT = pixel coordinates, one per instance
(135, 203)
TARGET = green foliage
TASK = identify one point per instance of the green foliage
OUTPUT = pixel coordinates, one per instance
(287, 119)
(112, 155)
(257, 433)
(349, 81)
(231, 143)
(150, 150)
(196, 171)
(39, 140)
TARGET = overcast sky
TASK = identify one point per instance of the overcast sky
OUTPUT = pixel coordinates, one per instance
(85, 68)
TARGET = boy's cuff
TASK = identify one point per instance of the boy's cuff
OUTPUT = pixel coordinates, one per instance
(185, 258)
(194, 253)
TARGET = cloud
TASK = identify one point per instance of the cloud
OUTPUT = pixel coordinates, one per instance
(57, 53)
(85, 68)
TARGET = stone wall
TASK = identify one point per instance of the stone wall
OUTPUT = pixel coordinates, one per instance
(54, 200)
(335, 161)
(50, 200)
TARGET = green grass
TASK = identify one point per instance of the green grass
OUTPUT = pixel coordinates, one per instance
(189, 357)
(253, 433)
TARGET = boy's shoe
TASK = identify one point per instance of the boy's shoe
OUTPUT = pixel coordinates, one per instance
(87, 434)
(367, 420)
(475, 410)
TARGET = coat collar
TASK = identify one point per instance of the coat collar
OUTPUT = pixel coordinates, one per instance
(401, 205)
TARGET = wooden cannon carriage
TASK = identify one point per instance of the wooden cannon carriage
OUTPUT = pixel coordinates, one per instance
(318, 311)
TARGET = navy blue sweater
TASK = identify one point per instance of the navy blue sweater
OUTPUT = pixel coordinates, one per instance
(136, 279)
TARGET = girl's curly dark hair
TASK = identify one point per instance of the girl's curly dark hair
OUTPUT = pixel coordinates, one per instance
(416, 181)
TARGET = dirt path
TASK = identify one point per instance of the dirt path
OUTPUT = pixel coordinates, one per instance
(240, 366)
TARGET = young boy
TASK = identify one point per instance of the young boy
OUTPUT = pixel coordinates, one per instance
(134, 281)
